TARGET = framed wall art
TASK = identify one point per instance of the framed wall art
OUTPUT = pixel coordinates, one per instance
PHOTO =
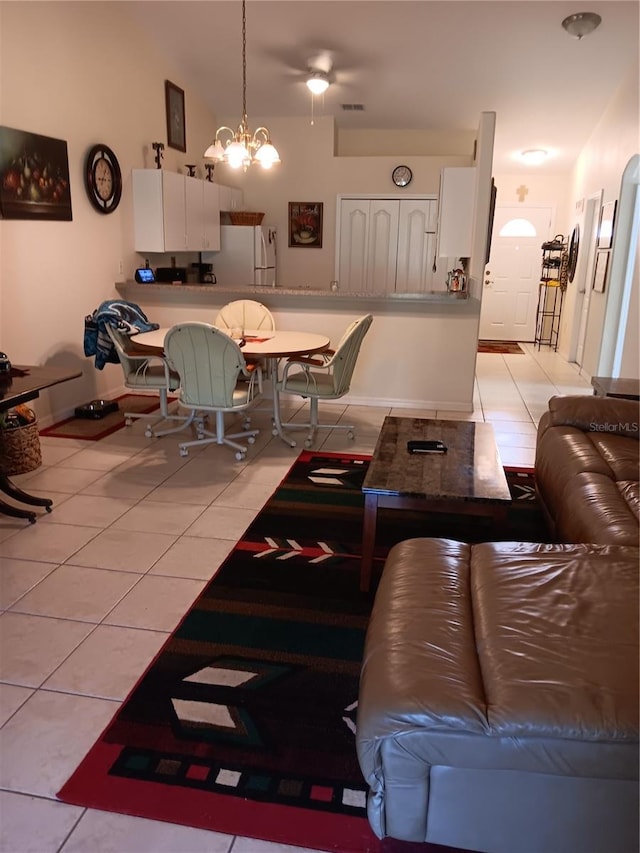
(34, 176)
(174, 101)
(600, 271)
(305, 224)
(605, 232)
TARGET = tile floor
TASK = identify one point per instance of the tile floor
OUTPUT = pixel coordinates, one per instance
(90, 593)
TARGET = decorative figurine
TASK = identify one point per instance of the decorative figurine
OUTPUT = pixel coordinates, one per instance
(210, 167)
(158, 147)
(191, 168)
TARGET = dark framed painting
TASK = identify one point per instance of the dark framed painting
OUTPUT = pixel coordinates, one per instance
(607, 219)
(305, 224)
(174, 101)
(34, 176)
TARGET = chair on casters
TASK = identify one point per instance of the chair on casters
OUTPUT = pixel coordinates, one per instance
(324, 376)
(144, 373)
(247, 314)
(213, 378)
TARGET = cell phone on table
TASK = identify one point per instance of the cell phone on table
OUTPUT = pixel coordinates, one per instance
(426, 446)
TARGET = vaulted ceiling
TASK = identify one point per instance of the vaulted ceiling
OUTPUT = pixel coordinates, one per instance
(417, 64)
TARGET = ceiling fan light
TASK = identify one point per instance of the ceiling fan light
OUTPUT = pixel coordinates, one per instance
(318, 82)
(581, 24)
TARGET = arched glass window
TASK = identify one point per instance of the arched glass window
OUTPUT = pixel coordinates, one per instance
(518, 228)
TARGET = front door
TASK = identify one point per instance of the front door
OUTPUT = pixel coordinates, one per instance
(512, 276)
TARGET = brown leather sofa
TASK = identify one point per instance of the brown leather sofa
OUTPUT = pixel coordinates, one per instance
(498, 704)
(587, 469)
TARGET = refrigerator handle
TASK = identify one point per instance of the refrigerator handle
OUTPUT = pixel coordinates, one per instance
(263, 253)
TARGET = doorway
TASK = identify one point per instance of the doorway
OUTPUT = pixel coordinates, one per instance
(512, 276)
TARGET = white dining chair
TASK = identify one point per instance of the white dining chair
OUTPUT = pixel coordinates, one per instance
(324, 376)
(213, 378)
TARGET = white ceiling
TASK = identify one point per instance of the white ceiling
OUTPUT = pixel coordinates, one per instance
(421, 64)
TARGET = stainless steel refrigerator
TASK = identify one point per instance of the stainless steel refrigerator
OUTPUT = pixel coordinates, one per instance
(247, 256)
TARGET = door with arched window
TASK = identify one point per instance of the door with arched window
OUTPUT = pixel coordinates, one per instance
(512, 276)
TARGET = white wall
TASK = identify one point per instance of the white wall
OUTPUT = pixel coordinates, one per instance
(79, 72)
(600, 167)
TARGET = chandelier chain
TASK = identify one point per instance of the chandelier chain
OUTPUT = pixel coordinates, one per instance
(244, 60)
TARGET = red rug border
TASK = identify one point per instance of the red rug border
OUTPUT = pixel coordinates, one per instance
(46, 432)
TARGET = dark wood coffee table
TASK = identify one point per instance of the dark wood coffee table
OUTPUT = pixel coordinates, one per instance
(468, 479)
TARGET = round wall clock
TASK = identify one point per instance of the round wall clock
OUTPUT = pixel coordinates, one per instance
(401, 176)
(103, 178)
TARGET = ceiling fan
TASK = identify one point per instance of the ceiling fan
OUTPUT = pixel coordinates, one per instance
(319, 73)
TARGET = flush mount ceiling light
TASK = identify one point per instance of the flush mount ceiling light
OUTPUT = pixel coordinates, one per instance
(534, 156)
(581, 24)
(241, 147)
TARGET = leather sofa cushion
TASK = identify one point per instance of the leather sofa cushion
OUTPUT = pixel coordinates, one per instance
(515, 656)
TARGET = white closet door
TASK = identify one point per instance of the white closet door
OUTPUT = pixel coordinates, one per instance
(416, 249)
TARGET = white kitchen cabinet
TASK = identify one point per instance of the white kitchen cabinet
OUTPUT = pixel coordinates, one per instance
(231, 198)
(174, 213)
(386, 245)
(455, 211)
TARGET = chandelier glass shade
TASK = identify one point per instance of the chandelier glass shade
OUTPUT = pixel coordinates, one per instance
(240, 147)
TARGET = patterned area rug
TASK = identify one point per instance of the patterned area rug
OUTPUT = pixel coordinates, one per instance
(245, 721)
(503, 347)
(90, 429)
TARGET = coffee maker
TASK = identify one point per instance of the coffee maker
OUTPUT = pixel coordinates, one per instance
(205, 273)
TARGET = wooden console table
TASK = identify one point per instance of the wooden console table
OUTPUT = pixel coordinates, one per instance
(23, 384)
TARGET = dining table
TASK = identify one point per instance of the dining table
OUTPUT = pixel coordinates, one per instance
(272, 346)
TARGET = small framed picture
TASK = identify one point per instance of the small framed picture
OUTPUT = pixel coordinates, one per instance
(600, 272)
(174, 101)
(605, 232)
(305, 224)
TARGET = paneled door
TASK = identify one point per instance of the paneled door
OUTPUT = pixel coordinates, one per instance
(512, 276)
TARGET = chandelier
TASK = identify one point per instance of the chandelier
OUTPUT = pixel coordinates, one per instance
(241, 148)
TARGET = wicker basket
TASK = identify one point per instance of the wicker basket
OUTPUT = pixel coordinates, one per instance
(20, 449)
(245, 217)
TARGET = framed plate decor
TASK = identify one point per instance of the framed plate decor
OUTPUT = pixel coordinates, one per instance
(34, 176)
(174, 101)
(574, 245)
(305, 224)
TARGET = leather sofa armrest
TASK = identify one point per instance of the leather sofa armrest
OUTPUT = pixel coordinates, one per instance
(593, 414)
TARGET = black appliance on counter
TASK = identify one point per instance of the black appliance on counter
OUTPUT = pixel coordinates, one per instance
(171, 274)
(205, 273)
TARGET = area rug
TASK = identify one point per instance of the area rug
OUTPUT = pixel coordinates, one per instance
(90, 429)
(503, 347)
(245, 721)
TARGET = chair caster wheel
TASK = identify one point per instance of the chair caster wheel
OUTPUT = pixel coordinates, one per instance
(307, 442)
(184, 451)
(351, 435)
(128, 421)
(251, 439)
(148, 432)
(48, 509)
(246, 424)
(274, 431)
(240, 456)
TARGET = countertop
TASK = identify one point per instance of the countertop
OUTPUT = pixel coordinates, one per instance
(213, 290)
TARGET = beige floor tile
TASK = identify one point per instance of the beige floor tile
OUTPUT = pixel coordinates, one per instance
(156, 603)
(413, 413)
(365, 417)
(113, 485)
(337, 441)
(250, 495)
(100, 457)
(59, 479)
(52, 543)
(11, 698)
(518, 456)
(507, 414)
(514, 428)
(152, 466)
(77, 592)
(90, 510)
(123, 550)
(157, 517)
(518, 439)
(222, 522)
(269, 472)
(33, 646)
(52, 454)
(115, 833)
(43, 743)
(198, 494)
(192, 557)
(17, 577)
(448, 415)
(34, 825)
(108, 663)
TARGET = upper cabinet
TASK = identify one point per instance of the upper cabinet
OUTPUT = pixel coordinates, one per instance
(455, 211)
(386, 245)
(174, 213)
(231, 198)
